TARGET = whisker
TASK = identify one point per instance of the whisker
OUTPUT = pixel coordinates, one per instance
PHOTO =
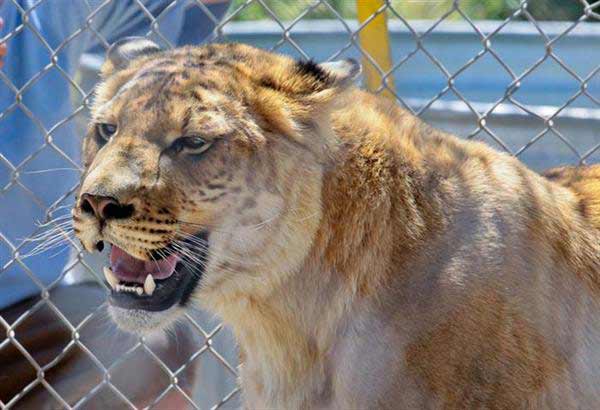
(56, 221)
(62, 238)
(62, 207)
(59, 252)
(154, 260)
(185, 253)
(204, 248)
(47, 232)
(220, 230)
(193, 269)
(49, 235)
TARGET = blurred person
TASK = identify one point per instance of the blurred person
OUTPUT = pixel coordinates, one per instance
(42, 46)
(2, 46)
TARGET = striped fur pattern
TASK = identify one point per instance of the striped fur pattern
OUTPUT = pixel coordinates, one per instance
(362, 258)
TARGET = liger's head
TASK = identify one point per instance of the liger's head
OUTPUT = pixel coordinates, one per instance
(203, 171)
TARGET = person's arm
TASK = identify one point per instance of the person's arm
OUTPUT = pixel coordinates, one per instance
(3, 48)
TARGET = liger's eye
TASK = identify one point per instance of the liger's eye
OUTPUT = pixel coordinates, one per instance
(191, 145)
(106, 131)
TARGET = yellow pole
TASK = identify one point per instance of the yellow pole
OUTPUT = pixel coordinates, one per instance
(375, 41)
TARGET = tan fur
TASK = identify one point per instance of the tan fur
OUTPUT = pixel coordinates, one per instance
(362, 258)
(585, 182)
(497, 361)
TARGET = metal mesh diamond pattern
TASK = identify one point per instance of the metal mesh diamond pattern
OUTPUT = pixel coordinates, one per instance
(18, 169)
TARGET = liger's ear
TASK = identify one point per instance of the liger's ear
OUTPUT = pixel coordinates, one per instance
(123, 51)
(303, 78)
(309, 77)
(322, 84)
(301, 92)
(342, 72)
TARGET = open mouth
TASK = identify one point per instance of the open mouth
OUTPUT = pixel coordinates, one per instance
(158, 284)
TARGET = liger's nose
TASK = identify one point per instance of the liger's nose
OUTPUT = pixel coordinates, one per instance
(105, 207)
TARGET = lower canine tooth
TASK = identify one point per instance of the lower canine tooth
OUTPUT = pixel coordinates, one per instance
(111, 278)
(149, 285)
(139, 291)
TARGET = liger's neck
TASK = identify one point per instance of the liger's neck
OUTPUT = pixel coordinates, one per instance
(287, 335)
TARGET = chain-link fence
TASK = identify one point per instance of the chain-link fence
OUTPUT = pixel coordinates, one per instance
(528, 86)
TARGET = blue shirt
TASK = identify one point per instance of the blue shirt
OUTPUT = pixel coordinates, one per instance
(37, 131)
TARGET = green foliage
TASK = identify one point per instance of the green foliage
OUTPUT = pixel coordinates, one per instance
(556, 9)
(286, 10)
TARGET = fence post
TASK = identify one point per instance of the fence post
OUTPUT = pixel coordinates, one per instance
(375, 41)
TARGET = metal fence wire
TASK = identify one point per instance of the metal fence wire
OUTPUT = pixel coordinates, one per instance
(18, 175)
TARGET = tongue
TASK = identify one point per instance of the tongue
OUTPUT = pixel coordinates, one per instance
(129, 269)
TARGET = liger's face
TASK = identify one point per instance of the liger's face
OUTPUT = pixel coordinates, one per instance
(188, 157)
